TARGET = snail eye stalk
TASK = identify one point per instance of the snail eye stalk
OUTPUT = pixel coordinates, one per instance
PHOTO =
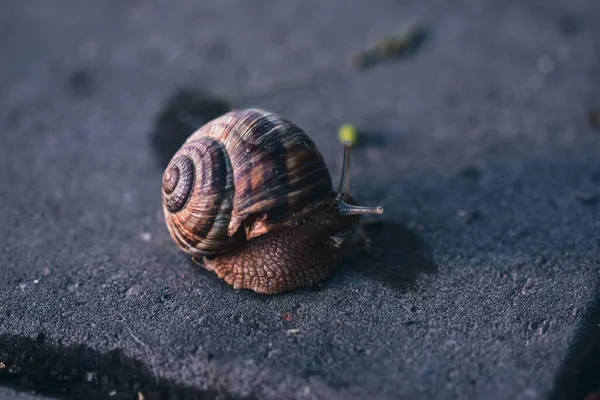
(349, 209)
(344, 188)
(345, 179)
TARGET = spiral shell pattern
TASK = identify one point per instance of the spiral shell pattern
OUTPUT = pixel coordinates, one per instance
(240, 176)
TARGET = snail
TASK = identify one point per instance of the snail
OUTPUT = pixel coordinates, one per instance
(249, 195)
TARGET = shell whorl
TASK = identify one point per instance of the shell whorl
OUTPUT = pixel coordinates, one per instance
(198, 196)
(240, 176)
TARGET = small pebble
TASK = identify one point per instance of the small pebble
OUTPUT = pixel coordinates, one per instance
(293, 331)
(575, 313)
(528, 284)
(36, 281)
(133, 291)
(146, 236)
(2, 365)
(72, 286)
(542, 329)
(90, 376)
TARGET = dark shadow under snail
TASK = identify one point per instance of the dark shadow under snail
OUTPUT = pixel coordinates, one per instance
(249, 195)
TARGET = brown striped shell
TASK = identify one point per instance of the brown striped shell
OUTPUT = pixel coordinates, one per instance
(240, 176)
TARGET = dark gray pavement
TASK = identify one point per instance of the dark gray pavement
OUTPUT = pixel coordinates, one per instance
(484, 280)
(10, 394)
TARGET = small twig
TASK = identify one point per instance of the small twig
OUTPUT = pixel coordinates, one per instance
(138, 340)
(392, 47)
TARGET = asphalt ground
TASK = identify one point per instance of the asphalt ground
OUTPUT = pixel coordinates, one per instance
(484, 277)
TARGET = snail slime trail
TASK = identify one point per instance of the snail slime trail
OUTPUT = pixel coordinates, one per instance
(249, 195)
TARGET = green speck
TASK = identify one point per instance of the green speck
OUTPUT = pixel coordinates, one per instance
(348, 132)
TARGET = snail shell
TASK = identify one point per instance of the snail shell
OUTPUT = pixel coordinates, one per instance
(247, 169)
(251, 195)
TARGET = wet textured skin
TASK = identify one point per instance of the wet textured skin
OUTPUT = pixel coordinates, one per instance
(299, 254)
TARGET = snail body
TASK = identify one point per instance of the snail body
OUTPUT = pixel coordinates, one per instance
(250, 195)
